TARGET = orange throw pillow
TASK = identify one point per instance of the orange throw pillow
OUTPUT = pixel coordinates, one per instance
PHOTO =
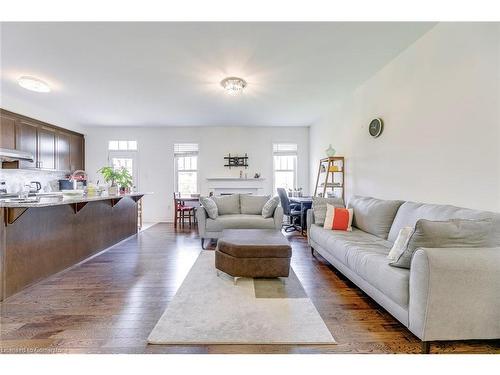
(338, 218)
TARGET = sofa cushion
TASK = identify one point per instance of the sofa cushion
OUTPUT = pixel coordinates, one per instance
(373, 215)
(209, 206)
(319, 207)
(365, 254)
(270, 207)
(252, 204)
(239, 221)
(372, 266)
(410, 212)
(339, 242)
(228, 204)
(454, 233)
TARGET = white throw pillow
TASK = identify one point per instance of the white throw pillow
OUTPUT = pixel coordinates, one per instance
(210, 207)
(401, 243)
(270, 207)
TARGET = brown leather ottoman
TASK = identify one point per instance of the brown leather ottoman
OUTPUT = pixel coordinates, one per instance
(253, 253)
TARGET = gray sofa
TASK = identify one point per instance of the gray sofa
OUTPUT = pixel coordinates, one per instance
(447, 294)
(237, 211)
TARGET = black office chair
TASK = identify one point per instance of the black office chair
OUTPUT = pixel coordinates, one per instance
(292, 211)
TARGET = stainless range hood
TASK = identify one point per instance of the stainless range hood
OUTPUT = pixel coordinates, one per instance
(13, 155)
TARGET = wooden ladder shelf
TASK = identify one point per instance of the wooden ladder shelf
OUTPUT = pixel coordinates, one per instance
(331, 172)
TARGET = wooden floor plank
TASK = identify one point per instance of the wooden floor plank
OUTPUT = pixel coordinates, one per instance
(111, 303)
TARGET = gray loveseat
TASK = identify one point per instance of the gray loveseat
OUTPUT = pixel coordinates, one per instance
(237, 211)
(447, 294)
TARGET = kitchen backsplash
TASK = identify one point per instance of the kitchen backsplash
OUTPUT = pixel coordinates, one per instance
(15, 179)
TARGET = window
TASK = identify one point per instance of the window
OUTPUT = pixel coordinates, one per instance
(122, 145)
(123, 154)
(186, 168)
(127, 163)
(285, 165)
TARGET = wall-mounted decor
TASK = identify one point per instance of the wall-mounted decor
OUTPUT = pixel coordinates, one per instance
(375, 128)
(236, 161)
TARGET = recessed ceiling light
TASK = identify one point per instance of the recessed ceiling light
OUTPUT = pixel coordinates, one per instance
(233, 85)
(33, 84)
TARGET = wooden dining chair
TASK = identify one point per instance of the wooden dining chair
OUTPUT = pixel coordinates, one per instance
(182, 211)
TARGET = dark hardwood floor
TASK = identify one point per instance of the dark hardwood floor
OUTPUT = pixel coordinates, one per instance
(110, 303)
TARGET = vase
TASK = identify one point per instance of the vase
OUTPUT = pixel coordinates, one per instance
(330, 151)
(113, 190)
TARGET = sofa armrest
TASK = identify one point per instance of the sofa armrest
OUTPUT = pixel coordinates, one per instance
(309, 222)
(454, 294)
(278, 217)
(309, 218)
(201, 217)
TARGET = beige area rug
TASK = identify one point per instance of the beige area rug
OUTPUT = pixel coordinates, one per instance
(208, 309)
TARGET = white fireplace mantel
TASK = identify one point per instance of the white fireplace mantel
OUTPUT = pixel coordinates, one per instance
(228, 185)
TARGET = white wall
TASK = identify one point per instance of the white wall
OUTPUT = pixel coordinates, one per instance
(155, 156)
(440, 102)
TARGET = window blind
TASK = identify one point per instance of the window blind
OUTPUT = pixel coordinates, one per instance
(185, 149)
(284, 148)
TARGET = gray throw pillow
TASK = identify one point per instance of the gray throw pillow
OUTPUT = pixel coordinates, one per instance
(319, 207)
(270, 207)
(252, 204)
(228, 204)
(374, 216)
(445, 234)
(209, 206)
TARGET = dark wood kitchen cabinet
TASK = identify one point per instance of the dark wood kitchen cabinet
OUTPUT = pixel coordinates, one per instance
(46, 155)
(76, 155)
(62, 151)
(7, 131)
(26, 140)
(52, 147)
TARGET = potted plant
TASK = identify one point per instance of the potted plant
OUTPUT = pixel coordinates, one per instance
(125, 180)
(111, 177)
(117, 178)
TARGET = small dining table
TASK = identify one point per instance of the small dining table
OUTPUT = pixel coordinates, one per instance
(305, 204)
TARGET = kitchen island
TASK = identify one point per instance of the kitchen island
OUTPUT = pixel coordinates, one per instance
(42, 237)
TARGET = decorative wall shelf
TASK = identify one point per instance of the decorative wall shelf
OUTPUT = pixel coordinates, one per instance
(236, 161)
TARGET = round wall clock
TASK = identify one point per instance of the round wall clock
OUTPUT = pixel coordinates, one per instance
(375, 128)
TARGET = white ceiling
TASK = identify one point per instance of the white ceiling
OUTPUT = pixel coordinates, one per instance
(168, 74)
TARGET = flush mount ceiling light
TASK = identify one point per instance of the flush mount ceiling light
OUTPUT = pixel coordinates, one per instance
(233, 85)
(33, 84)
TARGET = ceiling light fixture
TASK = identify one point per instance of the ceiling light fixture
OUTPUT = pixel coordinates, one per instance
(33, 84)
(233, 85)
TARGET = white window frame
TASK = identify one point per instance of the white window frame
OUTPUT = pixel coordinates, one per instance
(285, 153)
(122, 145)
(176, 165)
